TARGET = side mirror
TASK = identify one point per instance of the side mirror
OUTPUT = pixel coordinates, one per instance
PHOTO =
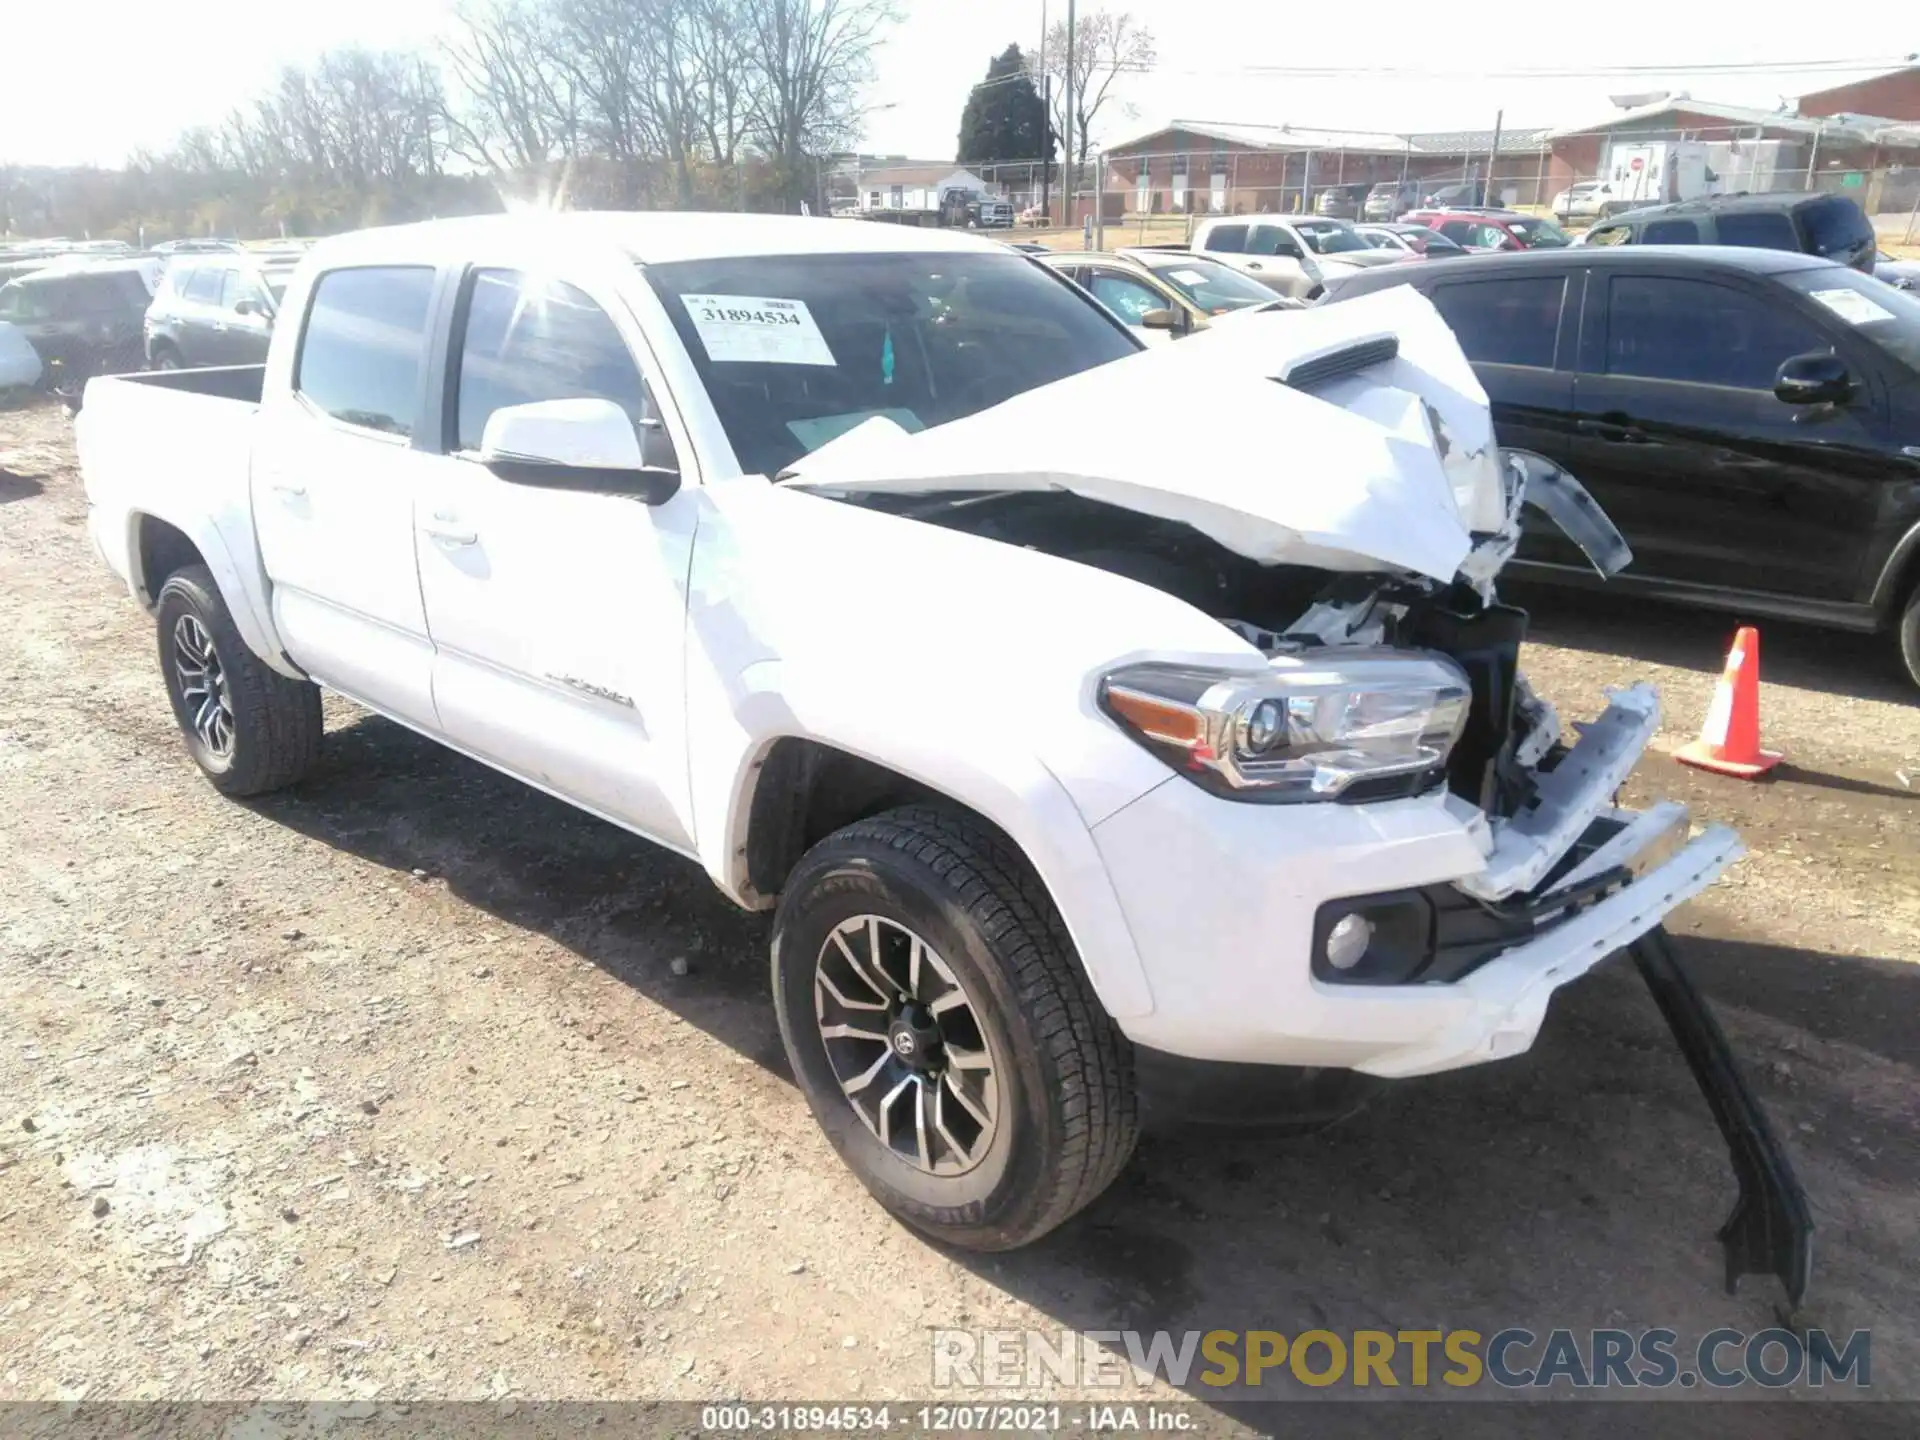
(579, 445)
(246, 307)
(1169, 319)
(1818, 378)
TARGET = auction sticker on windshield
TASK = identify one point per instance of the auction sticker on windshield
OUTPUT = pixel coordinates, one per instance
(1852, 307)
(757, 330)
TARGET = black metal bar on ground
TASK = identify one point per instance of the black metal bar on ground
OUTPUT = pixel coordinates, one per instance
(1770, 1231)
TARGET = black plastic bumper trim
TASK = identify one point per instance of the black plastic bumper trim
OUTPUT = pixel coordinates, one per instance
(1770, 1230)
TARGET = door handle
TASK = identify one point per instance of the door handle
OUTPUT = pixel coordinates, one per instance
(447, 530)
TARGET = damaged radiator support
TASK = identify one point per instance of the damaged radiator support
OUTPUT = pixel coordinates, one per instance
(1770, 1229)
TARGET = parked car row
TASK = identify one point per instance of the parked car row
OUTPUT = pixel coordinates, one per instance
(1749, 417)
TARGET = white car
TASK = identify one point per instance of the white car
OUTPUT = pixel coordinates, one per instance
(1070, 748)
(1586, 200)
(1297, 256)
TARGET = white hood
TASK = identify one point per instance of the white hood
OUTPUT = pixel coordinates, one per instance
(1394, 466)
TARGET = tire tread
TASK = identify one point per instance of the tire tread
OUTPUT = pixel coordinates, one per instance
(992, 882)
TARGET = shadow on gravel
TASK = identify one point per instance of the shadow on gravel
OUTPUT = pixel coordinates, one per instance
(392, 797)
(14, 486)
(1577, 1185)
(1836, 662)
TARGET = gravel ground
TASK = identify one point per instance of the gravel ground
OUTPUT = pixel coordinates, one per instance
(414, 1083)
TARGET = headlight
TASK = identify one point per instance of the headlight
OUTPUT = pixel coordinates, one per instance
(1308, 728)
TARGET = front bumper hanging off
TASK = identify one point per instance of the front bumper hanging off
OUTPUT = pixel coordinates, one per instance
(1770, 1230)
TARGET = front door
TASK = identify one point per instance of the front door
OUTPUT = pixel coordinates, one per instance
(334, 476)
(244, 326)
(1711, 479)
(558, 617)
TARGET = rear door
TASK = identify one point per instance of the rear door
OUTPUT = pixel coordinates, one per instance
(558, 617)
(334, 478)
(198, 329)
(1711, 479)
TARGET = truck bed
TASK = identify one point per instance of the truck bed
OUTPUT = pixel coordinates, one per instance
(225, 382)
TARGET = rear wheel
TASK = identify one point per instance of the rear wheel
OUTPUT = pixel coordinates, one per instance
(942, 1032)
(249, 728)
(165, 357)
(1910, 635)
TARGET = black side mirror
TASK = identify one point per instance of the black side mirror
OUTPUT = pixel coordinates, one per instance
(1817, 378)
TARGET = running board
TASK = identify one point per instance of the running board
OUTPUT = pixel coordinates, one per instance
(1770, 1231)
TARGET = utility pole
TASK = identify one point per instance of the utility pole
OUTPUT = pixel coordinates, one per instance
(1068, 207)
(1046, 138)
(1493, 158)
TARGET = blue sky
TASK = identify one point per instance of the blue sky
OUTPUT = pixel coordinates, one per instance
(67, 95)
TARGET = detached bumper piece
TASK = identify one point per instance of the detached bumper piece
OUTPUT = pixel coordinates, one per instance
(1770, 1231)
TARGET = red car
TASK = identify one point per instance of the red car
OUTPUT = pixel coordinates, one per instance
(1491, 229)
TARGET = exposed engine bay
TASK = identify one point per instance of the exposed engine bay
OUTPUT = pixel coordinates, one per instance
(1290, 609)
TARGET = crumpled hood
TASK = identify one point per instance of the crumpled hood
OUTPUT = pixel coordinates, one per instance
(1394, 465)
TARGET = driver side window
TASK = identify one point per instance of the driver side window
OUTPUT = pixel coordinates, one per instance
(1124, 296)
(526, 339)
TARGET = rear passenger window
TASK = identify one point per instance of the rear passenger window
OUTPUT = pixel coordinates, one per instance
(1227, 239)
(1504, 322)
(1671, 232)
(1757, 230)
(1701, 333)
(365, 340)
(529, 339)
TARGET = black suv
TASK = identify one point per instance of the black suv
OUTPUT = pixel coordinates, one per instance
(216, 309)
(83, 319)
(1749, 418)
(1830, 226)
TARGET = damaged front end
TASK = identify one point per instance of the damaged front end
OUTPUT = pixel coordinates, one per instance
(1392, 666)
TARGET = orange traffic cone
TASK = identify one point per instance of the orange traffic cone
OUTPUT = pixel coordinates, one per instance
(1730, 739)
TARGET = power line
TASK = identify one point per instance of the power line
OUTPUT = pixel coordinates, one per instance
(1551, 72)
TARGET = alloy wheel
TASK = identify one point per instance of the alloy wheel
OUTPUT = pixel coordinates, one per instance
(203, 686)
(906, 1044)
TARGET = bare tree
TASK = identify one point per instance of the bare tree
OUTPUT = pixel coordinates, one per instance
(519, 108)
(813, 57)
(1106, 45)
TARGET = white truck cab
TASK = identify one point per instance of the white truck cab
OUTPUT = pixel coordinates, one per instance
(835, 557)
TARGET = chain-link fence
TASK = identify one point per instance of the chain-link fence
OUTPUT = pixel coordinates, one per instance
(1577, 177)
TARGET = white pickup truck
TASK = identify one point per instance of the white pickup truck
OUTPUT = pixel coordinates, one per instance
(1079, 757)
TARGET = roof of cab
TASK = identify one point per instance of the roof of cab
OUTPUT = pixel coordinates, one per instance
(656, 237)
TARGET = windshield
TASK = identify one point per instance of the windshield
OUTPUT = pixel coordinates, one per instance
(796, 350)
(1212, 286)
(1538, 234)
(276, 283)
(1888, 317)
(1327, 238)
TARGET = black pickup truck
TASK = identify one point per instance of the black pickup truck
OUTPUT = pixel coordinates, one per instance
(1750, 419)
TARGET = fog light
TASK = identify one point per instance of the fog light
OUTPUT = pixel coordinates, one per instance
(1348, 940)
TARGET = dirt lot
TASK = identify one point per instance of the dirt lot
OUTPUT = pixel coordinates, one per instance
(391, 1086)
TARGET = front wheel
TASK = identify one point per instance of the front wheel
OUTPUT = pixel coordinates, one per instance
(249, 728)
(941, 1029)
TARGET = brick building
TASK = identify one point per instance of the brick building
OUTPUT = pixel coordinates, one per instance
(1895, 95)
(1202, 168)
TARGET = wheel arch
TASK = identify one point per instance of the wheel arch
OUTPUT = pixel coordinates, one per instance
(157, 547)
(794, 790)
